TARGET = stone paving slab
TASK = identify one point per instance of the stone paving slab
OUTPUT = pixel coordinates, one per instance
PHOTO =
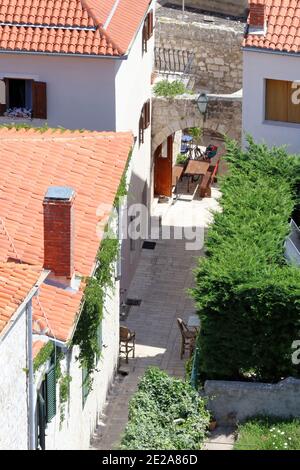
(161, 282)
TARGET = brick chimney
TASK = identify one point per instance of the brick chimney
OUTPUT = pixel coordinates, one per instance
(59, 232)
(257, 15)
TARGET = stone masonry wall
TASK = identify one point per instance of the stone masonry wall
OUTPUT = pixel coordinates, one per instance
(169, 115)
(233, 402)
(13, 388)
(225, 7)
(217, 65)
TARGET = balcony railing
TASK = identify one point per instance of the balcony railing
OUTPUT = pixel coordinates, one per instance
(292, 245)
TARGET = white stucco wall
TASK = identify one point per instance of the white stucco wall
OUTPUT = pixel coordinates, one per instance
(133, 89)
(13, 394)
(259, 66)
(80, 90)
(79, 422)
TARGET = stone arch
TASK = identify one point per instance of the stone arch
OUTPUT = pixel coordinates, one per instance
(223, 116)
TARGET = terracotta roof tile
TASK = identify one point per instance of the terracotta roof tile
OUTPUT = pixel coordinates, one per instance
(70, 26)
(16, 281)
(90, 162)
(283, 27)
(36, 347)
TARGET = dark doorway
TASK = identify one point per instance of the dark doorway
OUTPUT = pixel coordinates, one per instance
(163, 163)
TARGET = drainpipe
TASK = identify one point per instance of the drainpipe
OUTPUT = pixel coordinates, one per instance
(31, 391)
(195, 367)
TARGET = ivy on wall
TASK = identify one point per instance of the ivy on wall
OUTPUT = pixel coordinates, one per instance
(97, 287)
(43, 355)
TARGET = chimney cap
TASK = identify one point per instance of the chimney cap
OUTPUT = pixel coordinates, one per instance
(65, 193)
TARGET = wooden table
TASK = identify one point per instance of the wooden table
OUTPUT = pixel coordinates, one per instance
(177, 174)
(195, 167)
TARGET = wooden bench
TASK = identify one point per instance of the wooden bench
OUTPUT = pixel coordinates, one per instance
(205, 186)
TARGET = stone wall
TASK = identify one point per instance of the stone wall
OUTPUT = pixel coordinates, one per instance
(226, 7)
(217, 65)
(13, 388)
(169, 115)
(233, 402)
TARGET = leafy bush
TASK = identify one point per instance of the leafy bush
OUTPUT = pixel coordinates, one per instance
(248, 298)
(268, 434)
(181, 159)
(169, 89)
(166, 413)
(197, 134)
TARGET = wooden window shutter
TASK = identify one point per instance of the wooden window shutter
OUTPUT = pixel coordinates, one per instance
(4, 106)
(39, 100)
(277, 100)
(150, 24)
(147, 114)
(145, 35)
(85, 385)
(51, 393)
(41, 422)
(141, 129)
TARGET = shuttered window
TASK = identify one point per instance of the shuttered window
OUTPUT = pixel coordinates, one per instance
(100, 341)
(39, 100)
(41, 441)
(145, 120)
(85, 385)
(148, 29)
(24, 94)
(50, 393)
(280, 102)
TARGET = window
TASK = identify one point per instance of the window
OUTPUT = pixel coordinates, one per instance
(147, 30)
(145, 120)
(280, 105)
(85, 385)
(100, 341)
(46, 409)
(23, 98)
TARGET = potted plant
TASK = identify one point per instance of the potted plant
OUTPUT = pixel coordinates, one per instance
(213, 423)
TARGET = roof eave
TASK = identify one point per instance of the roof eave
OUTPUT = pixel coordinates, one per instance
(22, 306)
(269, 51)
(66, 54)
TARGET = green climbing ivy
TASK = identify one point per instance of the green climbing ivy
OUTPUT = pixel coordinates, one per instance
(86, 334)
(64, 392)
(43, 355)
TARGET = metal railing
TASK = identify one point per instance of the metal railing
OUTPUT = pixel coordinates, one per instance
(173, 61)
(292, 245)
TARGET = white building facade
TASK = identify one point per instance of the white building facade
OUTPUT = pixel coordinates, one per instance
(271, 75)
(95, 92)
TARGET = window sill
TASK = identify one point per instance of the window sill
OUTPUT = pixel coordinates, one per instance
(292, 125)
(21, 120)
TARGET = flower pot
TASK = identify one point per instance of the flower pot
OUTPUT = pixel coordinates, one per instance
(212, 425)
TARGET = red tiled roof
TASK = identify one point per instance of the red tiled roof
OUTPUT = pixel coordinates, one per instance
(16, 281)
(70, 26)
(283, 27)
(90, 162)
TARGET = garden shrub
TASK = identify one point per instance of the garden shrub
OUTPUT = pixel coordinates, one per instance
(166, 413)
(169, 89)
(248, 297)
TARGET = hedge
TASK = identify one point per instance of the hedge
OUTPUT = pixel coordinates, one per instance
(247, 296)
(166, 413)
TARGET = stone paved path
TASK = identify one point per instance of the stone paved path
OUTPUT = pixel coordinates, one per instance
(221, 439)
(161, 282)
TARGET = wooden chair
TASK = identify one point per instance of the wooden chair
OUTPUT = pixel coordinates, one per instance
(127, 342)
(188, 338)
(205, 186)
